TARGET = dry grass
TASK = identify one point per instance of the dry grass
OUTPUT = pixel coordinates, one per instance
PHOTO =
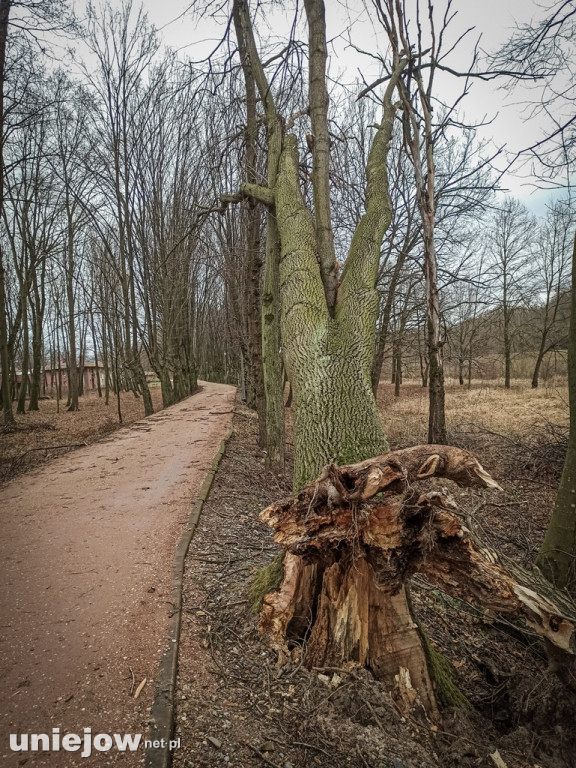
(488, 407)
(519, 436)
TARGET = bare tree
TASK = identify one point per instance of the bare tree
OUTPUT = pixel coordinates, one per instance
(4, 353)
(508, 262)
(426, 125)
(552, 261)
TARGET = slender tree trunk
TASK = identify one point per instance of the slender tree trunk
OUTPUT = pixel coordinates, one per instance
(81, 362)
(436, 411)
(58, 363)
(35, 381)
(106, 364)
(385, 317)
(318, 95)
(541, 353)
(271, 356)
(254, 262)
(96, 355)
(23, 392)
(271, 359)
(557, 556)
(9, 421)
(436, 395)
(507, 347)
(424, 174)
(398, 361)
(73, 362)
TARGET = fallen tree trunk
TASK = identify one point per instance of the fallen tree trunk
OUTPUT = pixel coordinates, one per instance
(355, 537)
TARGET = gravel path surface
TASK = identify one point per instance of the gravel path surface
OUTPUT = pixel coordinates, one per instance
(87, 548)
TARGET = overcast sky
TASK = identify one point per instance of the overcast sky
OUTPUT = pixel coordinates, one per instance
(494, 20)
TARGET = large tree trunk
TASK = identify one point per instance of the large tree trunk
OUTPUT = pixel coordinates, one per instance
(557, 556)
(328, 359)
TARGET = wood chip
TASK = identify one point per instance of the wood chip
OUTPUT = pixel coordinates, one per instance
(139, 689)
(497, 760)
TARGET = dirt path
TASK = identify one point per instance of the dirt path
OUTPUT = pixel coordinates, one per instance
(87, 547)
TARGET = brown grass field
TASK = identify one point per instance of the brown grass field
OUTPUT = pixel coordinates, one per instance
(486, 406)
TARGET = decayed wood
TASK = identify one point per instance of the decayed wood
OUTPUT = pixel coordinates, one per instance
(356, 535)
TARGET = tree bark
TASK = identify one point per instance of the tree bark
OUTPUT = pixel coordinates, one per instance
(329, 359)
(253, 259)
(23, 392)
(318, 99)
(557, 556)
(9, 421)
(270, 323)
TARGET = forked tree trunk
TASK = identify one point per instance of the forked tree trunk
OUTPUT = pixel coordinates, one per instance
(328, 342)
(355, 537)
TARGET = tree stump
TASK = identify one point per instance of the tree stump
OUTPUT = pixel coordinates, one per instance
(353, 539)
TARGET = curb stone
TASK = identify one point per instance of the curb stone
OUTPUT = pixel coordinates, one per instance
(162, 712)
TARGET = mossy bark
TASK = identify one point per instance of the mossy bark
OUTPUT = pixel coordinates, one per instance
(328, 359)
(557, 556)
(270, 307)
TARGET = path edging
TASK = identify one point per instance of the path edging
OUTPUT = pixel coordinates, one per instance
(162, 711)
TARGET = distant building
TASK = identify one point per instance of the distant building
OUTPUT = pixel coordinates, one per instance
(58, 376)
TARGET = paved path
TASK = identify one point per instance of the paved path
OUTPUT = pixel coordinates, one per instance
(87, 546)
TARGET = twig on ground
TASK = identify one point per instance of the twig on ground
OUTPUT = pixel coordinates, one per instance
(262, 756)
(133, 681)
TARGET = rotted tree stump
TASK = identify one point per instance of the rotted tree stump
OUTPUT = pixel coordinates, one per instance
(353, 539)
